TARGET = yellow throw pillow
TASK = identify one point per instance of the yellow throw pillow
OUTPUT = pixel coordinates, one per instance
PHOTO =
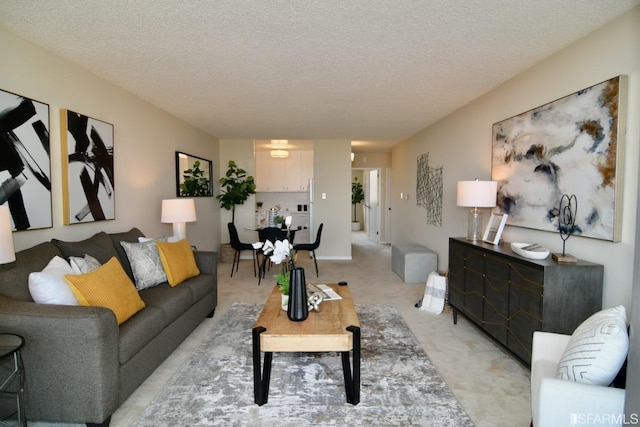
(178, 261)
(107, 286)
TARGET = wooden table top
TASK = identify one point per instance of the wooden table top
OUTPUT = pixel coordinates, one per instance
(325, 330)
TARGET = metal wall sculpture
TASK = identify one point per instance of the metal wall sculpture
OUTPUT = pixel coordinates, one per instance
(88, 175)
(25, 162)
(429, 190)
(573, 145)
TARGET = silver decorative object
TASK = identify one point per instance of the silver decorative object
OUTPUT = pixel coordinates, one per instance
(567, 212)
(314, 301)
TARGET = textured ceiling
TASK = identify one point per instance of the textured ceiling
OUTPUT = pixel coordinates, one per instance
(369, 70)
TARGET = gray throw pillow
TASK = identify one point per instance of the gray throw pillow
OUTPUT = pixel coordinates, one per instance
(145, 263)
(83, 265)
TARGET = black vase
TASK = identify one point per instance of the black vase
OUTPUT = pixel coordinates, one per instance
(297, 309)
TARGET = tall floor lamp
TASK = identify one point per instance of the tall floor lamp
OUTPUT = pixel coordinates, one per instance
(178, 212)
(476, 194)
(7, 251)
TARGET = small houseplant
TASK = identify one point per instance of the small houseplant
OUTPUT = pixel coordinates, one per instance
(357, 196)
(279, 252)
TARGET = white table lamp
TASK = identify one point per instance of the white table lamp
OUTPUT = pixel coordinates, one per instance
(7, 252)
(476, 194)
(178, 212)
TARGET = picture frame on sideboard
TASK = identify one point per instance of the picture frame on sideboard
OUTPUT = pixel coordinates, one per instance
(493, 232)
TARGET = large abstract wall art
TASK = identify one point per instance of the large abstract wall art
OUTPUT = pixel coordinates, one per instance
(573, 145)
(429, 190)
(87, 163)
(25, 162)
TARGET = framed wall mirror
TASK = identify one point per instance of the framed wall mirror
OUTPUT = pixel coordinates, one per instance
(193, 176)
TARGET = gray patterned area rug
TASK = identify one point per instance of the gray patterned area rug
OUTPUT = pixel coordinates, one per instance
(399, 385)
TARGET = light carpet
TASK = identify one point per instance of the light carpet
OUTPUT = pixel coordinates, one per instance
(399, 384)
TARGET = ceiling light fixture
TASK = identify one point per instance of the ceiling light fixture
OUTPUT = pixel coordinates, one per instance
(279, 144)
(280, 154)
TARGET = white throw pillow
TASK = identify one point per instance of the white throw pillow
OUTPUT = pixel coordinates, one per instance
(83, 265)
(49, 286)
(597, 349)
(145, 263)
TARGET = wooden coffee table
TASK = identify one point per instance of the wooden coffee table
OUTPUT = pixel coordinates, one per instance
(334, 328)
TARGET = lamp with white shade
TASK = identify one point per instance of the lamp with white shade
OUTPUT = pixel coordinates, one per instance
(476, 194)
(178, 212)
(7, 252)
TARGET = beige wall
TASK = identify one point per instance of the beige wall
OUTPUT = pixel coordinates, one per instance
(145, 139)
(461, 143)
(332, 175)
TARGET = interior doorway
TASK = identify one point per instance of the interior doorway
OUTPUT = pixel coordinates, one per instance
(369, 213)
(372, 205)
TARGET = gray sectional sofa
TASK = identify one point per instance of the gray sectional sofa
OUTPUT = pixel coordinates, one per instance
(80, 365)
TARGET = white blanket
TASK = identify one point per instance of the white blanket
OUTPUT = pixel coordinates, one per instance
(434, 293)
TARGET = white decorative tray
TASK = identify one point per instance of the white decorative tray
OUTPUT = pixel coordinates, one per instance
(530, 250)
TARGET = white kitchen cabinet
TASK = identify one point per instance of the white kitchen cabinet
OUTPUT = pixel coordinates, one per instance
(282, 175)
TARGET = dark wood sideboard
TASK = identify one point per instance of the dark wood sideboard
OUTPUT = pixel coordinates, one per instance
(509, 296)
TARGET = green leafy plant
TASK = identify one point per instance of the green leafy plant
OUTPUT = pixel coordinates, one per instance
(282, 279)
(278, 220)
(357, 196)
(195, 183)
(236, 188)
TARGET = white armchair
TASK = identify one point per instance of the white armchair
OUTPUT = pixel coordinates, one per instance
(556, 402)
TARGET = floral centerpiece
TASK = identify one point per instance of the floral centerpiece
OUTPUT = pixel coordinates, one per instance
(280, 252)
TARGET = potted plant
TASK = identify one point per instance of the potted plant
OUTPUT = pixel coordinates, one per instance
(357, 196)
(236, 188)
(279, 221)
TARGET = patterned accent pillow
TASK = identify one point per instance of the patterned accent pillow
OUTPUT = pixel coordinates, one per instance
(145, 263)
(597, 349)
(83, 265)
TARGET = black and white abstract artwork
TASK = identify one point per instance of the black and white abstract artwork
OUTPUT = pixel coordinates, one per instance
(573, 145)
(25, 162)
(89, 188)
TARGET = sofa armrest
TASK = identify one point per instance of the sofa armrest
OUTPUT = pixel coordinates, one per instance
(207, 262)
(564, 402)
(546, 351)
(64, 346)
(549, 346)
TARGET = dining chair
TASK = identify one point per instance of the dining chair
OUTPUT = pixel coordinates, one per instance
(272, 234)
(311, 247)
(239, 246)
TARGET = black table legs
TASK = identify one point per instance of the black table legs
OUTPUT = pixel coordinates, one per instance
(262, 374)
(352, 379)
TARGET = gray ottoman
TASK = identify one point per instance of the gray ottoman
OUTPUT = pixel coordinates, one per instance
(413, 262)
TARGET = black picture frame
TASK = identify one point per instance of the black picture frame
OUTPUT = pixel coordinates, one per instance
(25, 161)
(193, 176)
